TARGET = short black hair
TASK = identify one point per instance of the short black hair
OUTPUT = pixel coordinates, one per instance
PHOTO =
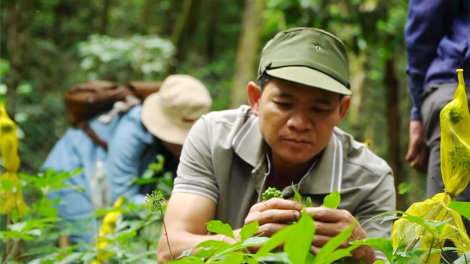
(265, 78)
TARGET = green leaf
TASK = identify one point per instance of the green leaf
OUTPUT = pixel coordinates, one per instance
(404, 188)
(380, 261)
(389, 218)
(72, 257)
(298, 244)
(462, 208)
(187, 260)
(211, 243)
(249, 230)
(382, 244)
(309, 202)
(185, 253)
(234, 257)
(253, 241)
(274, 257)
(275, 240)
(309, 258)
(297, 196)
(421, 222)
(465, 258)
(333, 244)
(126, 235)
(78, 188)
(339, 254)
(6, 185)
(17, 226)
(206, 252)
(217, 227)
(439, 225)
(332, 200)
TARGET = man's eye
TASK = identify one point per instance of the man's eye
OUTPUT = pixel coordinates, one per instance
(320, 110)
(283, 105)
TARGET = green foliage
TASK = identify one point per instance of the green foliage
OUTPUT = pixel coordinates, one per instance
(459, 157)
(332, 200)
(155, 174)
(112, 58)
(462, 208)
(455, 115)
(272, 192)
(154, 201)
(218, 227)
(404, 188)
(297, 196)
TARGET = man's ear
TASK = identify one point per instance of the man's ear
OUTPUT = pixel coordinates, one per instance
(254, 95)
(344, 106)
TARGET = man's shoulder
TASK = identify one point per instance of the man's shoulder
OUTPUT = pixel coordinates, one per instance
(358, 155)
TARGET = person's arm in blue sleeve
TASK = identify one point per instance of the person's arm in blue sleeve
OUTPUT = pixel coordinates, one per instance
(427, 23)
(125, 149)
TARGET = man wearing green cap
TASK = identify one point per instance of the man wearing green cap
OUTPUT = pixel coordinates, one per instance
(287, 135)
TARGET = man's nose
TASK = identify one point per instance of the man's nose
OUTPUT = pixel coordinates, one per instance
(299, 122)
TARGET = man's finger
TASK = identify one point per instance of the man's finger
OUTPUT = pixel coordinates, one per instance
(325, 214)
(270, 229)
(314, 250)
(411, 154)
(274, 216)
(276, 203)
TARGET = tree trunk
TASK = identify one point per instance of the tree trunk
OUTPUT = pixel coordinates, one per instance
(104, 17)
(358, 78)
(393, 126)
(248, 50)
(17, 27)
(212, 32)
(179, 29)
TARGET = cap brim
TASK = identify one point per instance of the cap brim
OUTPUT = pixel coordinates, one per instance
(159, 124)
(310, 77)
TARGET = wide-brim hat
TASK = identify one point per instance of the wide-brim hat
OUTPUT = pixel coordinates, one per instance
(308, 56)
(170, 113)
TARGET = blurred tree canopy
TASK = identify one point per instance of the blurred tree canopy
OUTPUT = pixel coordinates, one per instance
(49, 45)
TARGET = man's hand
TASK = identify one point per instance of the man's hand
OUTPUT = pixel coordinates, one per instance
(417, 154)
(329, 223)
(273, 215)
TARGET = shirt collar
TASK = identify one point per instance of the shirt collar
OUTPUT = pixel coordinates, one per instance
(327, 175)
(248, 143)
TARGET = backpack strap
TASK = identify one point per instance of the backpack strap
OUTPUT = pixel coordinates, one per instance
(92, 134)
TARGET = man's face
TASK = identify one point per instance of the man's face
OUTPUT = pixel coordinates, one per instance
(296, 120)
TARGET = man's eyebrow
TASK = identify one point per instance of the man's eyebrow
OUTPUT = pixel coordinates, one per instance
(285, 95)
(323, 100)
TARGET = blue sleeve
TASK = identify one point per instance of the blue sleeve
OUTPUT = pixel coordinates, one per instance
(427, 23)
(124, 161)
(65, 156)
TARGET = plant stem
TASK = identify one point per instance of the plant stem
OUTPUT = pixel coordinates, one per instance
(430, 248)
(166, 234)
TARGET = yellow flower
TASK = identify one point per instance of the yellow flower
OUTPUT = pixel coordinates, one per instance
(11, 197)
(107, 228)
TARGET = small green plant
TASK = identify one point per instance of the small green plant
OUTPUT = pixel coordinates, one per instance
(154, 202)
(272, 193)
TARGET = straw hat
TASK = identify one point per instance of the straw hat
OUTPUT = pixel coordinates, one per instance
(170, 113)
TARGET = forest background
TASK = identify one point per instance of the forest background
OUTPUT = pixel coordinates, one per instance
(49, 45)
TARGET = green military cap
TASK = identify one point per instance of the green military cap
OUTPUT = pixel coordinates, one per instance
(308, 56)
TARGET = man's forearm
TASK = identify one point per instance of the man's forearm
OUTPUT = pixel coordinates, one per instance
(180, 241)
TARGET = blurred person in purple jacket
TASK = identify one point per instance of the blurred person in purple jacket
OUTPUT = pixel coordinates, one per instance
(437, 36)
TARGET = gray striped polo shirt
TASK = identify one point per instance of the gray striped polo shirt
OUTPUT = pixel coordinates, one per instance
(224, 160)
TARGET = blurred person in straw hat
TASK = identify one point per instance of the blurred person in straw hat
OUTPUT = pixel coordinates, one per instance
(157, 127)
